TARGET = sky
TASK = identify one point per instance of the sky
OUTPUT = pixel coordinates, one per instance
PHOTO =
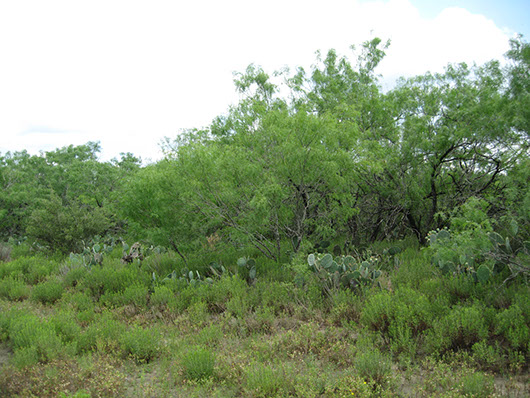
(128, 73)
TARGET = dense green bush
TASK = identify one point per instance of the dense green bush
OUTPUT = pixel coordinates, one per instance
(47, 292)
(102, 334)
(114, 277)
(511, 325)
(14, 288)
(162, 296)
(198, 363)
(32, 269)
(141, 344)
(401, 317)
(66, 326)
(64, 226)
(460, 329)
(374, 366)
(34, 340)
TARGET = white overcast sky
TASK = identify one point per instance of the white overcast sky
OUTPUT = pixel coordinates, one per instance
(128, 73)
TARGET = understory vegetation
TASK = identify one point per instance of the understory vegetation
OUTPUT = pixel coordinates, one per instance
(324, 238)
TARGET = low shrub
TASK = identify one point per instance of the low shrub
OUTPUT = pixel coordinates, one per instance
(266, 381)
(34, 340)
(103, 334)
(461, 328)
(374, 366)
(66, 326)
(14, 288)
(32, 269)
(114, 277)
(400, 317)
(135, 294)
(511, 325)
(162, 296)
(476, 384)
(47, 292)
(142, 345)
(74, 275)
(198, 363)
(5, 252)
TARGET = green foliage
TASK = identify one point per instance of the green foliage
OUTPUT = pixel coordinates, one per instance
(92, 253)
(477, 384)
(266, 381)
(141, 344)
(461, 328)
(63, 226)
(247, 268)
(66, 326)
(103, 334)
(13, 288)
(161, 296)
(344, 271)
(33, 339)
(32, 269)
(114, 277)
(401, 318)
(324, 161)
(472, 247)
(198, 363)
(134, 294)
(5, 252)
(47, 292)
(512, 325)
(374, 366)
(462, 250)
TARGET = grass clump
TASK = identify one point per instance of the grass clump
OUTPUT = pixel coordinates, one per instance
(198, 363)
(266, 381)
(373, 366)
(142, 345)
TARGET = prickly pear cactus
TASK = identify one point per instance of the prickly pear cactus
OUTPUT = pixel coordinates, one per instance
(342, 271)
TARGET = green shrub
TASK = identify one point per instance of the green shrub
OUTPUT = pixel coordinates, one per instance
(400, 317)
(26, 356)
(74, 275)
(476, 384)
(14, 288)
(461, 328)
(114, 277)
(77, 301)
(32, 269)
(352, 385)
(511, 324)
(78, 394)
(374, 366)
(162, 296)
(198, 363)
(5, 252)
(40, 272)
(198, 314)
(102, 334)
(141, 344)
(47, 292)
(35, 337)
(275, 295)
(64, 226)
(414, 269)
(135, 294)
(488, 356)
(163, 264)
(266, 381)
(66, 326)
(378, 312)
